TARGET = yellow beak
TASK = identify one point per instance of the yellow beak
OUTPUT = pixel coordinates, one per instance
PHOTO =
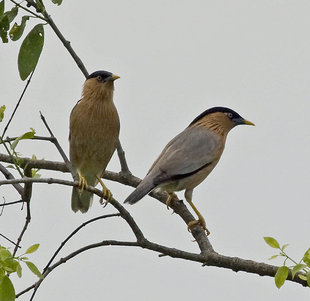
(115, 77)
(248, 122)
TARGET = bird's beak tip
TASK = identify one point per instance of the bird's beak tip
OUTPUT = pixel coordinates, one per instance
(115, 77)
(248, 122)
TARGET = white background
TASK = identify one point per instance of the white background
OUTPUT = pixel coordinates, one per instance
(176, 59)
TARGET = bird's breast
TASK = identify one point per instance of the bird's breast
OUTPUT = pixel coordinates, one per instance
(94, 131)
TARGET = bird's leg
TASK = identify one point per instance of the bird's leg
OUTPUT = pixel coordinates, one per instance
(82, 182)
(201, 221)
(171, 196)
(107, 194)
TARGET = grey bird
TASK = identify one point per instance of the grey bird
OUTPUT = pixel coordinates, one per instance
(190, 157)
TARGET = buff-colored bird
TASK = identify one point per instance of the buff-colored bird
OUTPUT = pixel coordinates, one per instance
(189, 158)
(94, 131)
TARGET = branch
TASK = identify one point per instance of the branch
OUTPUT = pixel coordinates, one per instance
(122, 158)
(19, 101)
(59, 148)
(8, 176)
(26, 196)
(74, 232)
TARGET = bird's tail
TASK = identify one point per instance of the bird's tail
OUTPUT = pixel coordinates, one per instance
(81, 200)
(142, 189)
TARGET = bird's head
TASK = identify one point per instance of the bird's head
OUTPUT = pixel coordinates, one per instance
(99, 83)
(219, 119)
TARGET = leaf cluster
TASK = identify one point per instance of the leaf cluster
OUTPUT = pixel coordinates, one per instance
(10, 265)
(31, 47)
(300, 269)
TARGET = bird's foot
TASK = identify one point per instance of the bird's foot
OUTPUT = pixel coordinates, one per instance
(107, 194)
(82, 182)
(171, 196)
(200, 222)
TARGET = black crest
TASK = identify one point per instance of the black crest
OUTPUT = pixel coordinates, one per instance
(102, 73)
(215, 110)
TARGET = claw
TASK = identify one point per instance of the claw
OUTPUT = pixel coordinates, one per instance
(171, 196)
(200, 221)
(82, 182)
(107, 194)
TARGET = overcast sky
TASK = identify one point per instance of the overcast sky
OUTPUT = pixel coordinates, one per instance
(175, 59)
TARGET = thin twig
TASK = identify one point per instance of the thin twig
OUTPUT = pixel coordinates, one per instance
(18, 103)
(122, 158)
(26, 198)
(11, 241)
(66, 43)
(29, 11)
(11, 203)
(74, 232)
(59, 148)
(8, 175)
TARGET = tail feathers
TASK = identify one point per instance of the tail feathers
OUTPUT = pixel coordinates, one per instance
(81, 200)
(142, 189)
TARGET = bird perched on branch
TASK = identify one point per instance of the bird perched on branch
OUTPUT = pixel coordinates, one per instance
(94, 131)
(189, 157)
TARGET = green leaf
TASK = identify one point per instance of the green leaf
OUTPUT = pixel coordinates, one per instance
(4, 27)
(297, 268)
(306, 258)
(281, 276)
(19, 270)
(4, 254)
(40, 6)
(303, 277)
(33, 269)
(7, 291)
(2, 109)
(30, 51)
(28, 135)
(23, 258)
(272, 242)
(273, 257)
(17, 30)
(1, 8)
(10, 265)
(308, 278)
(11, 14)
(284, 246)
(32, 249)
(58, 2)
(2, 273)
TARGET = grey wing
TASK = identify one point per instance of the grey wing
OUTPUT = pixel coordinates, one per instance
(188, 152)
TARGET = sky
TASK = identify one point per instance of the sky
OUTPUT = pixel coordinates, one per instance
(176, 59)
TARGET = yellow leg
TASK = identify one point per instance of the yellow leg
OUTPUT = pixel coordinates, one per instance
(171, 196)
(107, 194)
(201, 221)
(82, 182)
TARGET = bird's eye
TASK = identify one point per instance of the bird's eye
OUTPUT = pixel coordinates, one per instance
(230, 115)
(99, 78)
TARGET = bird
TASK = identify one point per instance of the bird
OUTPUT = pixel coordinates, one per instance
(94, 133)
(189, 158)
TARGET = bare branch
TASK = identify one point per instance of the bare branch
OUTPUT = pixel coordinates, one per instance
(59, 148)
(122, 158)
(11, 203)
(26, 198)
(8, 175)
(11, 241)
(19, 101)
(74, 232)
